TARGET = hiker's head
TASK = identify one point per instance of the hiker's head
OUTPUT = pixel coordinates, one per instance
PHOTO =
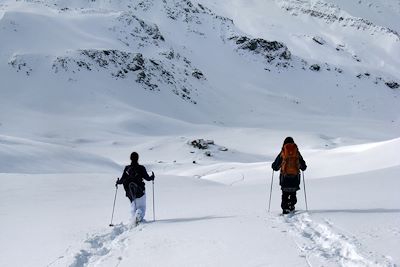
(134, 157)
(288, 140)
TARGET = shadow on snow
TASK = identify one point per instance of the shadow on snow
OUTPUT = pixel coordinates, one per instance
(194, 219)
(378, 210)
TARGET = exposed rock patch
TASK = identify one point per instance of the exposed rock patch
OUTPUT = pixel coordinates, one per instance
(272, 51)
(331, 13)
(135, 32)
(150, 73)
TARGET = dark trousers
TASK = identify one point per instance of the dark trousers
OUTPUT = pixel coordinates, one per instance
(289, 199)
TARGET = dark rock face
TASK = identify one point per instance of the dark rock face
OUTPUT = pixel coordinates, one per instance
(150, 73)
(270, 50)
(120, 64)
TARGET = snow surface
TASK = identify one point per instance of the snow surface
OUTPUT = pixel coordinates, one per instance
(85, 83)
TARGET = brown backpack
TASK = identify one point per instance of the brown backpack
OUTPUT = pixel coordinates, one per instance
(290, 160)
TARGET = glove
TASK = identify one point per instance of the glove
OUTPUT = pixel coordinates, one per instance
(117, 182)
(152, 176)
(274, 167)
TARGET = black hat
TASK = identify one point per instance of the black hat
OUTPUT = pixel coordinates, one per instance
(288, 140)
(134, 156)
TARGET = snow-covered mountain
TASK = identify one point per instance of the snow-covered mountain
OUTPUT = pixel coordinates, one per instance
(84, 83)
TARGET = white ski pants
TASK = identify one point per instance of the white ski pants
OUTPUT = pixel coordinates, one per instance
(138, 207)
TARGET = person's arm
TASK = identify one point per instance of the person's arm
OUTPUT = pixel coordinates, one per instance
(303, 165)
(145, 175)
(276, 165)
(123, 177)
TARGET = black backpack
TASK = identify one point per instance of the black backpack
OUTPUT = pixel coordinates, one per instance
(133, 188)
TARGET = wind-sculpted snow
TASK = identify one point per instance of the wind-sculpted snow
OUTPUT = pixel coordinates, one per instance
(16, 156)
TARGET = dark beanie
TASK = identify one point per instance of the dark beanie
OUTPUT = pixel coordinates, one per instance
(288, 140)
(134, 157)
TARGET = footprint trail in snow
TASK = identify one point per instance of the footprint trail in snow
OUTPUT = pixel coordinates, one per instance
(320, 244)
(99, 247)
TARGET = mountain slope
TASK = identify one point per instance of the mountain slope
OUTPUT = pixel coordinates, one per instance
(85, 83)
(162, 49)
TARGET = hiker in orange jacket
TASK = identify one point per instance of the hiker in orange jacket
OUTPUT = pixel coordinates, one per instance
(289, 162)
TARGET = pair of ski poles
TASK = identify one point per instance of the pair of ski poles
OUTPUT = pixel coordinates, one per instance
(270, 192)
(115, 198)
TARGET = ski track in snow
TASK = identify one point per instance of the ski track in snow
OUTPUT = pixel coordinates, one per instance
(320, 242)
(99, 247)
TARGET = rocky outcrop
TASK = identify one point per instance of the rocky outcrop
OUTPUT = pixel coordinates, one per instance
(185, 10)
(271, 51)
(331, 13)
(208, 145)
(134, 32)
(152, 74)
(392, 84)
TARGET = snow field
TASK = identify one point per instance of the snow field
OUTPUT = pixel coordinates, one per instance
(65, 135)
(202, 219)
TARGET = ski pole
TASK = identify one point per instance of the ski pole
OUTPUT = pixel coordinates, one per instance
(154, 211)
(305, 194)
(112, 214)
(270, 192)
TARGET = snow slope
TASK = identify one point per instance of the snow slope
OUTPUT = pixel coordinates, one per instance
(85, 83)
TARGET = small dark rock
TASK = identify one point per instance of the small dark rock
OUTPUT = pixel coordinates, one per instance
(315, 67)
(242, 39)
(356, 58)
(199, 143)
(198, 74)
(339, 70)
(392, 84)
(319, 40)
